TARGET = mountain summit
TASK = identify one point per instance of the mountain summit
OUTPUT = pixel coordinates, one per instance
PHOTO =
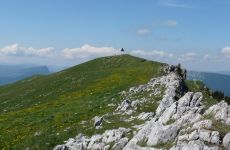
(118, 102)
(43, 111)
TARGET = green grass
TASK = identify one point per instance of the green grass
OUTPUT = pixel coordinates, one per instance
(55, 105)
(170, 121)
(166, 145)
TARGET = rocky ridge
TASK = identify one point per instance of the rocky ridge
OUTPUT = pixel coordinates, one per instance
(180, 121)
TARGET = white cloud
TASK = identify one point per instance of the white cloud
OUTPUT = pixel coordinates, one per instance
(17, 50)
(88, 51)
(10, 49)
(170, 23)
(209, 57)
(154, 53)
(188, 57)
(173, 3)
(143, 31)
(226, 51)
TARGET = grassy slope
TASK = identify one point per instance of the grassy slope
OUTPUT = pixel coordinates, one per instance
(54, 105)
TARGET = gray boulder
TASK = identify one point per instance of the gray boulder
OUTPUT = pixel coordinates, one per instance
(125, 105)
(145, 116)
(162, 134)
(221, 112)
(114, 135)
(120, 144)
(226, 141)
(98, 121)
(205, 124)
(194, 145)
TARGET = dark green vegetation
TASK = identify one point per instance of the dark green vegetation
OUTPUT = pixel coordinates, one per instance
(166, 145)
(43, 111)
(170, 121)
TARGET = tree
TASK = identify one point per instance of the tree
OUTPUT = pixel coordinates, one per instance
(218, 95)
(185, 74)
(227, 99)
(122, 50)
(179, 70)
(179, 66)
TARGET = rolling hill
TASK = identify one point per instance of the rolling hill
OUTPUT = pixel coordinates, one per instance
(43, 111)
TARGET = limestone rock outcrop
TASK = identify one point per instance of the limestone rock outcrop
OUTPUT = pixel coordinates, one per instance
(178, 122)
(220, 111)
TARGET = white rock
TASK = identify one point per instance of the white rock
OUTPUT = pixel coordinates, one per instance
(37, 133)
(94, 139)
(135, 103)
(98, 121)
(114, 135)
(98, 146)
(129, 112)
(205, 124)
(145, 116)
(186, 110)
(162, 134)
(188, 102)
(107, 147)
(125, 105)
(215, 137)
(189, 117)
(171, 82)
(194, 145)
(183, 138)
(226, 141)
(194, 135)
(120, 144)
(79, 143)
(221, 112)
(168, 113)
(111, 105)
(203, 135)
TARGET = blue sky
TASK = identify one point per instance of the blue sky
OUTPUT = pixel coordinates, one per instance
(63, 33)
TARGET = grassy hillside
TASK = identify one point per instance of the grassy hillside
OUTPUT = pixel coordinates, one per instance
(43, 111)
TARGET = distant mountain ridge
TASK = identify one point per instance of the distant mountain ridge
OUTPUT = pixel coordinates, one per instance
(13, 73)
(215, 81)
(224, 72)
